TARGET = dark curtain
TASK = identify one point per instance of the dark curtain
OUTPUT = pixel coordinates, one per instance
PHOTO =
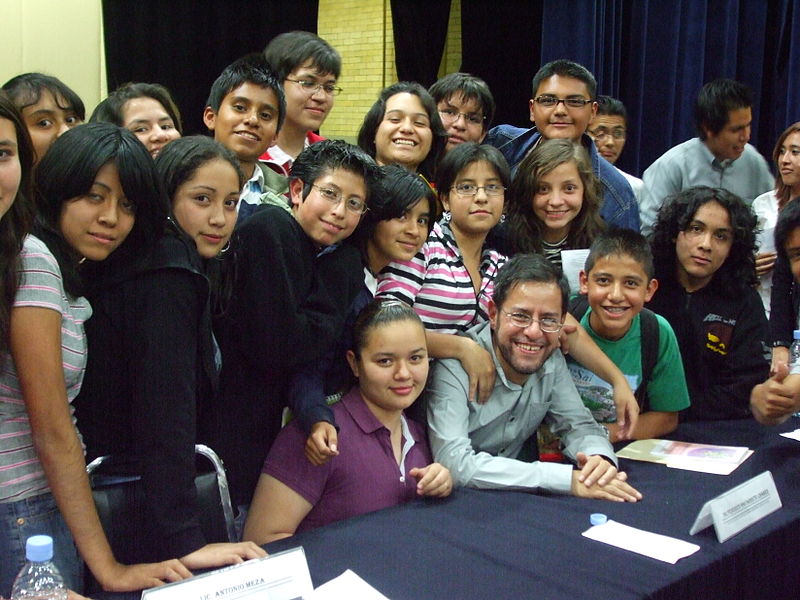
(501, 44)
(185, 44)
(654, 55)
(420, 31)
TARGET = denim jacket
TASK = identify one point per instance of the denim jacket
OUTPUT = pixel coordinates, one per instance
(619, 204)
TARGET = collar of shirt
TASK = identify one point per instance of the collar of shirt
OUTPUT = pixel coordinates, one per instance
(277, 155)
(363, 417)
(253, 188)
(716, 163)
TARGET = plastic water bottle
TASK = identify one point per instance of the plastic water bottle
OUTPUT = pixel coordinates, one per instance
(794, 349)
(39, 579)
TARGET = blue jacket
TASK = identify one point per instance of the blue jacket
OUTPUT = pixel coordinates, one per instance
(619, 204)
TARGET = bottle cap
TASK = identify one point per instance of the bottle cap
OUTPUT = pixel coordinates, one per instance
(796, 334)
(39, 548)
(598, 518)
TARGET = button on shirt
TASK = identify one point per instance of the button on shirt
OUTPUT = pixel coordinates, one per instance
(479, 443)
(690, 164)
(364, 476)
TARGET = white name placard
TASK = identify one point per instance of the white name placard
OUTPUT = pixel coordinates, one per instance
(740, 507)
(282, 576)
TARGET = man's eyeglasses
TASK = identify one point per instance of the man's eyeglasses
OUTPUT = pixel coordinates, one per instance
(450, 115)
(312, 87)
(551, 101)
(524, 320)
(354, 204)
(618, 133)
(470, 189)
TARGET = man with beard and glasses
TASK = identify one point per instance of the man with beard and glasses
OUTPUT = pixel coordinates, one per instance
(480, 443)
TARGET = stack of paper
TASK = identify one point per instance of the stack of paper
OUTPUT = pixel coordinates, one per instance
(719, 460)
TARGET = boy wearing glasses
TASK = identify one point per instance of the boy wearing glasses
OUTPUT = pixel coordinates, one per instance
(466, 107)
(307, 67)
(479, 443)
(562, 106)
(294, 283)
(609, 128)
(245, 110)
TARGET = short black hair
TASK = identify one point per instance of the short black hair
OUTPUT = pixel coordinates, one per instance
(374, 116)
(606, 105)
(287, 51)
(617, 241)
(399, 191)
(68, 171)
(528, 267)
(788, 221)
(26, 89)
(328, 155)
(469, 88)
(565, 68)
(715, 101)
(738, 272)
(462, 156)
(111, 109)
(251, 68)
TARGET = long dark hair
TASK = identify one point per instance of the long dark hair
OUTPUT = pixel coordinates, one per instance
(782, 191)
(16, 223)
(176, 164)
(738, 272)
(68, 170)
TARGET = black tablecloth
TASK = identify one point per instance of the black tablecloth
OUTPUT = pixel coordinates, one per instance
(496, 544)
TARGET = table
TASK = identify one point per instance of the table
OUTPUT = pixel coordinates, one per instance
(502, 544)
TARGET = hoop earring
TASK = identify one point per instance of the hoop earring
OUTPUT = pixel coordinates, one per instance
(225, 248)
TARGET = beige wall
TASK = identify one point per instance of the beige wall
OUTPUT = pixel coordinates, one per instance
(63, 38)
(366, 43)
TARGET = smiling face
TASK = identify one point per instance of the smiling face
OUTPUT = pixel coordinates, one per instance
(400, 238)
(474, 215)
(246, 121)
(789, 162)
(617, 288)
(205, 206)
(150, 122)
(404, 135)
(47, 120)
(729, 143)
(97, 223)
(561, 121)
(391, 367)
(10, 168)
(307, 111)
(523, 350)
(558, 199)
(704, 246)
(324, 222)
(462, 119)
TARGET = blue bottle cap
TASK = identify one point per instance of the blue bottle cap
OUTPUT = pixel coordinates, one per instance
(39, 548)
(598, 518)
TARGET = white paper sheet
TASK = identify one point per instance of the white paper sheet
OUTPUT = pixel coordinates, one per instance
(792, 435)
(347, 586)
(654, 545)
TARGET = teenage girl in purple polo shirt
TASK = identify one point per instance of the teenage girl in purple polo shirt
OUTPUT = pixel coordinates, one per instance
(383, 459)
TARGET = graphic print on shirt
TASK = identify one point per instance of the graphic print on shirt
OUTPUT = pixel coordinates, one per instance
(719, 331)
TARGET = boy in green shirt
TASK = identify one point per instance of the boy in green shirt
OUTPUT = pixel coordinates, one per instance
(616, 282)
